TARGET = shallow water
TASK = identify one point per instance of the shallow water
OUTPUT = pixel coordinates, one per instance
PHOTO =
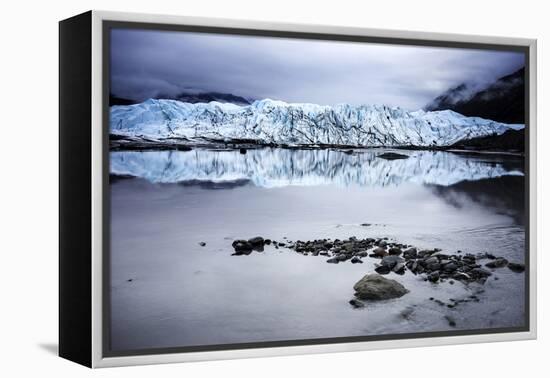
(182, 294)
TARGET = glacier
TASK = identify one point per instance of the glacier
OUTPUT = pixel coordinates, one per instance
(278, 167)
(279, 123)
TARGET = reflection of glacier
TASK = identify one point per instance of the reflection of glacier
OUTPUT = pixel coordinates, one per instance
(274, 167)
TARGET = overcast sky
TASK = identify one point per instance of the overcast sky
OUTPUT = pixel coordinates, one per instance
(146, 63)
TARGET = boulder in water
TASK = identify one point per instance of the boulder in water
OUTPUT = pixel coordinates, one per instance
(376, 287)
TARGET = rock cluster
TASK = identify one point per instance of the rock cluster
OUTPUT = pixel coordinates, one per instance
(433, 264)
(245, 247)
(347, 249)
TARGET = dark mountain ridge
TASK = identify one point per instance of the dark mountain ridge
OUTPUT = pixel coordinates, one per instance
(208, 97)
(190, 97)
(502, 101)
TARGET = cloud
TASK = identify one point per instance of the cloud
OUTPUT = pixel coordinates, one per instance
(148, 63)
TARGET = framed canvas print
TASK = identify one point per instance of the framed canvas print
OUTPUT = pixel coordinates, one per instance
(234, 189)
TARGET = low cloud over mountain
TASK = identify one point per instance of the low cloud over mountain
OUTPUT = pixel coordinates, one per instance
(502, 101)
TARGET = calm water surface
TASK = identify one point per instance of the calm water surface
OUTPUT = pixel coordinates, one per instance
(182, 294)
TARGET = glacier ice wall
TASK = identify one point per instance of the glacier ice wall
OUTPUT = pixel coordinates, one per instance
(277, 122)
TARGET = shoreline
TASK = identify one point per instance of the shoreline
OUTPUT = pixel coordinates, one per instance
(119, 142)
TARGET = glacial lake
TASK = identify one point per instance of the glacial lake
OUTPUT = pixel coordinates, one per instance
(169, 291)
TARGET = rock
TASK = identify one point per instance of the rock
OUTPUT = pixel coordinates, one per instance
(391, 261)
(242, 246)
(392, 156)
(242, 151)
(410, 253)
(382, 243)
(431, 260)
(382, 269)
(516, 267)
(356, 260)
(395, 251)
(356, 304)
(256, 242)
(499, 262)
(333, 260)
(380, 252)
(376, 287)
(450, 320)
(202, 244)
(434, 267)
(343, 257)
(480, 272)
(424, 254)
(242, 252)
(365, 224)
(460, 276)
(450, 267)
(416, 268)
(267, 241)
(466, 268)
(399, 268)
(433, 277)
(348, 247)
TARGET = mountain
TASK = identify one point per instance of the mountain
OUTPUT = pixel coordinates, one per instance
(190, 97)
(194, 98)
(502, 101)
(277, 122)
(276, 167)
(116, 100)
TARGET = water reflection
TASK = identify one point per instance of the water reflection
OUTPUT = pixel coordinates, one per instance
(503, 195)
(275, 167)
